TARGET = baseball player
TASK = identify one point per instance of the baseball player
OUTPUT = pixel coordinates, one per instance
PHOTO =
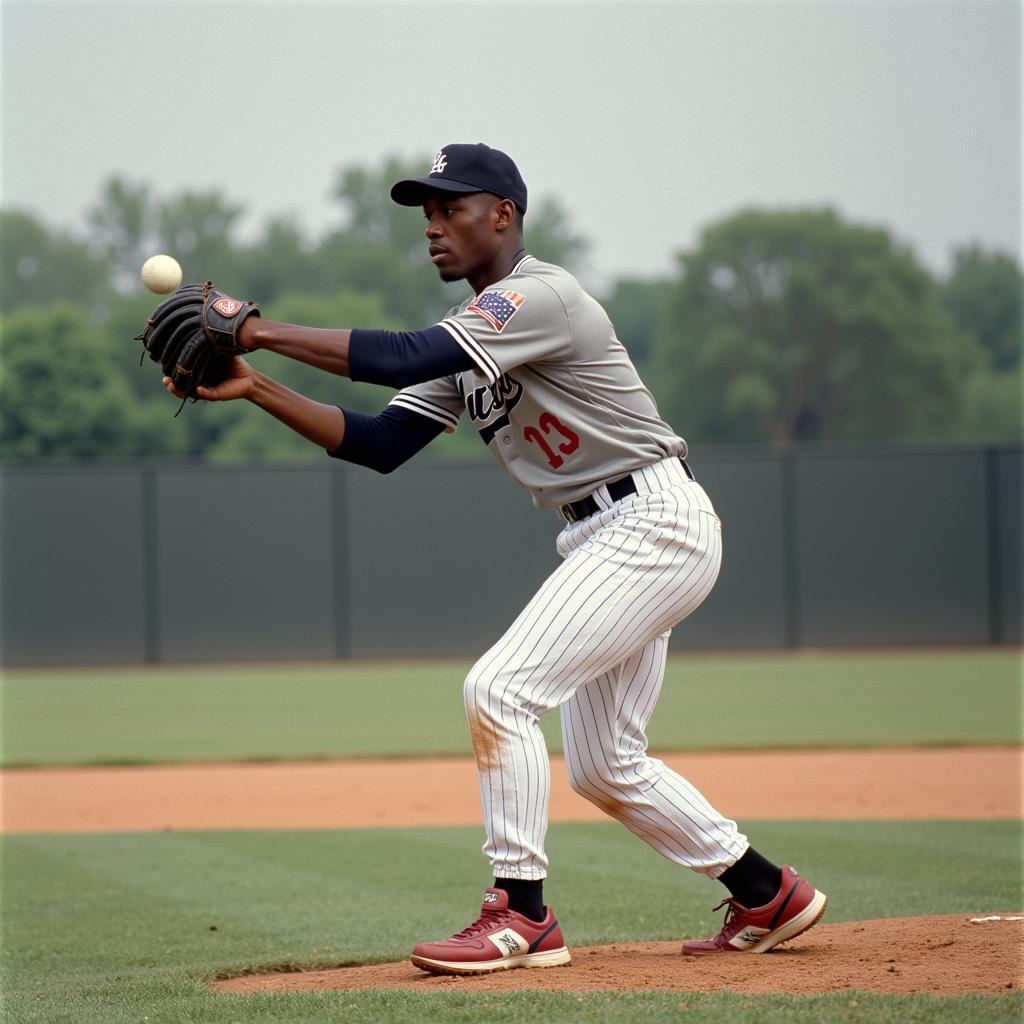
(534, 362)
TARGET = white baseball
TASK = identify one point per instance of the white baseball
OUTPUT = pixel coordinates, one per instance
(161, 274)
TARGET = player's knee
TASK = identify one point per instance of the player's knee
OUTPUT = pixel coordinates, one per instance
(593, 787)
(577, 777)
(491, 689)
(598, 779)
(475, 689)
(502, 695)
(484, 718)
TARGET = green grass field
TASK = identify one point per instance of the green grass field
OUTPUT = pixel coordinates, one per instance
(128, 928)
(383, 709)
(103, 929)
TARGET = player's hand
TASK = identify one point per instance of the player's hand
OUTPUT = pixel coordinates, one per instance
(237, 384)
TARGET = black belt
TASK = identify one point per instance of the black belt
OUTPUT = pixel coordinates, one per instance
(617, 490)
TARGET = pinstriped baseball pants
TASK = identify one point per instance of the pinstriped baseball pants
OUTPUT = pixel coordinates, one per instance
(592, 642)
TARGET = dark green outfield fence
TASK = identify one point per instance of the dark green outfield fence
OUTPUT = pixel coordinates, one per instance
(164, 562)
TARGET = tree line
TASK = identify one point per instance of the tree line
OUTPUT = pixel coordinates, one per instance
(777, 326)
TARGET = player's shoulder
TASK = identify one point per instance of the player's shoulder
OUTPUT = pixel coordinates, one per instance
(531, 289)
(544, 285)
(535, 274)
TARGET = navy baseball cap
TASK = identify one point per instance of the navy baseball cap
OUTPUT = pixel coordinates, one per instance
(465, 168)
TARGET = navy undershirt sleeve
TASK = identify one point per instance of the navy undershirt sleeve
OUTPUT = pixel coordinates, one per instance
(385, 441)
(402, 358)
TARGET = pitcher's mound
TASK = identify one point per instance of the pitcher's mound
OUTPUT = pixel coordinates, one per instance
(947, 955)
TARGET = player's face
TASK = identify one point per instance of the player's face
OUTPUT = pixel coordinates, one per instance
(461, 232)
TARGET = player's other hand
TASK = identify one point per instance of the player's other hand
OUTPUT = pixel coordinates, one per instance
(237, 384)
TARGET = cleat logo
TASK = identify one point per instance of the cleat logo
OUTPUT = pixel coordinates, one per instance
(749, 937)
(508, 941)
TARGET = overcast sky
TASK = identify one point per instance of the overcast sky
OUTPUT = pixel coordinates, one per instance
(648, 120)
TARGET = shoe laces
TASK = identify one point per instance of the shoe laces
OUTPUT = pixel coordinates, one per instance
(732, 911)
(487, 919)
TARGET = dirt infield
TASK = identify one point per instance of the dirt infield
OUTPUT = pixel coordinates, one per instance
(917, 784)
(935, 955)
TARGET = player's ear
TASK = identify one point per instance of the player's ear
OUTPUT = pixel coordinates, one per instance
(505, 214)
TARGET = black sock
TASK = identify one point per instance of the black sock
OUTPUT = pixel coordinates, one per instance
(525, 896)
(752, 880)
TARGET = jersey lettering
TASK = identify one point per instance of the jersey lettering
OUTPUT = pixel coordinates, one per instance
(487, 432)
(549, 422)
(482, 404)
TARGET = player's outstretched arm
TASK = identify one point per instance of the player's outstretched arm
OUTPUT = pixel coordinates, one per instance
(393, 358)
(324, 425)
(324, 348)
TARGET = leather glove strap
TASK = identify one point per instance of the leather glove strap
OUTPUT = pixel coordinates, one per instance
(222, 318)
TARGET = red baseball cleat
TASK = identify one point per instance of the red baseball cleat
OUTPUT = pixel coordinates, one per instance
(797, 907)
(499, 939)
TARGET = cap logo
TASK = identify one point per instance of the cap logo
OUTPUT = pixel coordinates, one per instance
(227, 307)
(440, 163)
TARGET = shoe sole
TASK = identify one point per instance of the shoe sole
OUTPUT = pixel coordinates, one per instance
(552, 958)
(804, 921)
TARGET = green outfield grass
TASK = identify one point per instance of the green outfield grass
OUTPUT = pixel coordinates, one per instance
(386, 709)
(110, 929)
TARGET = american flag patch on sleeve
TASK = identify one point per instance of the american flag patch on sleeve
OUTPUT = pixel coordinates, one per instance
(497, 308)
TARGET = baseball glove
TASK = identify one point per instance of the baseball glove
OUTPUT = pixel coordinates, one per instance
(194, 334)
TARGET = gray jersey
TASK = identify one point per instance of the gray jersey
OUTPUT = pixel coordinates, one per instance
(553, 392)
